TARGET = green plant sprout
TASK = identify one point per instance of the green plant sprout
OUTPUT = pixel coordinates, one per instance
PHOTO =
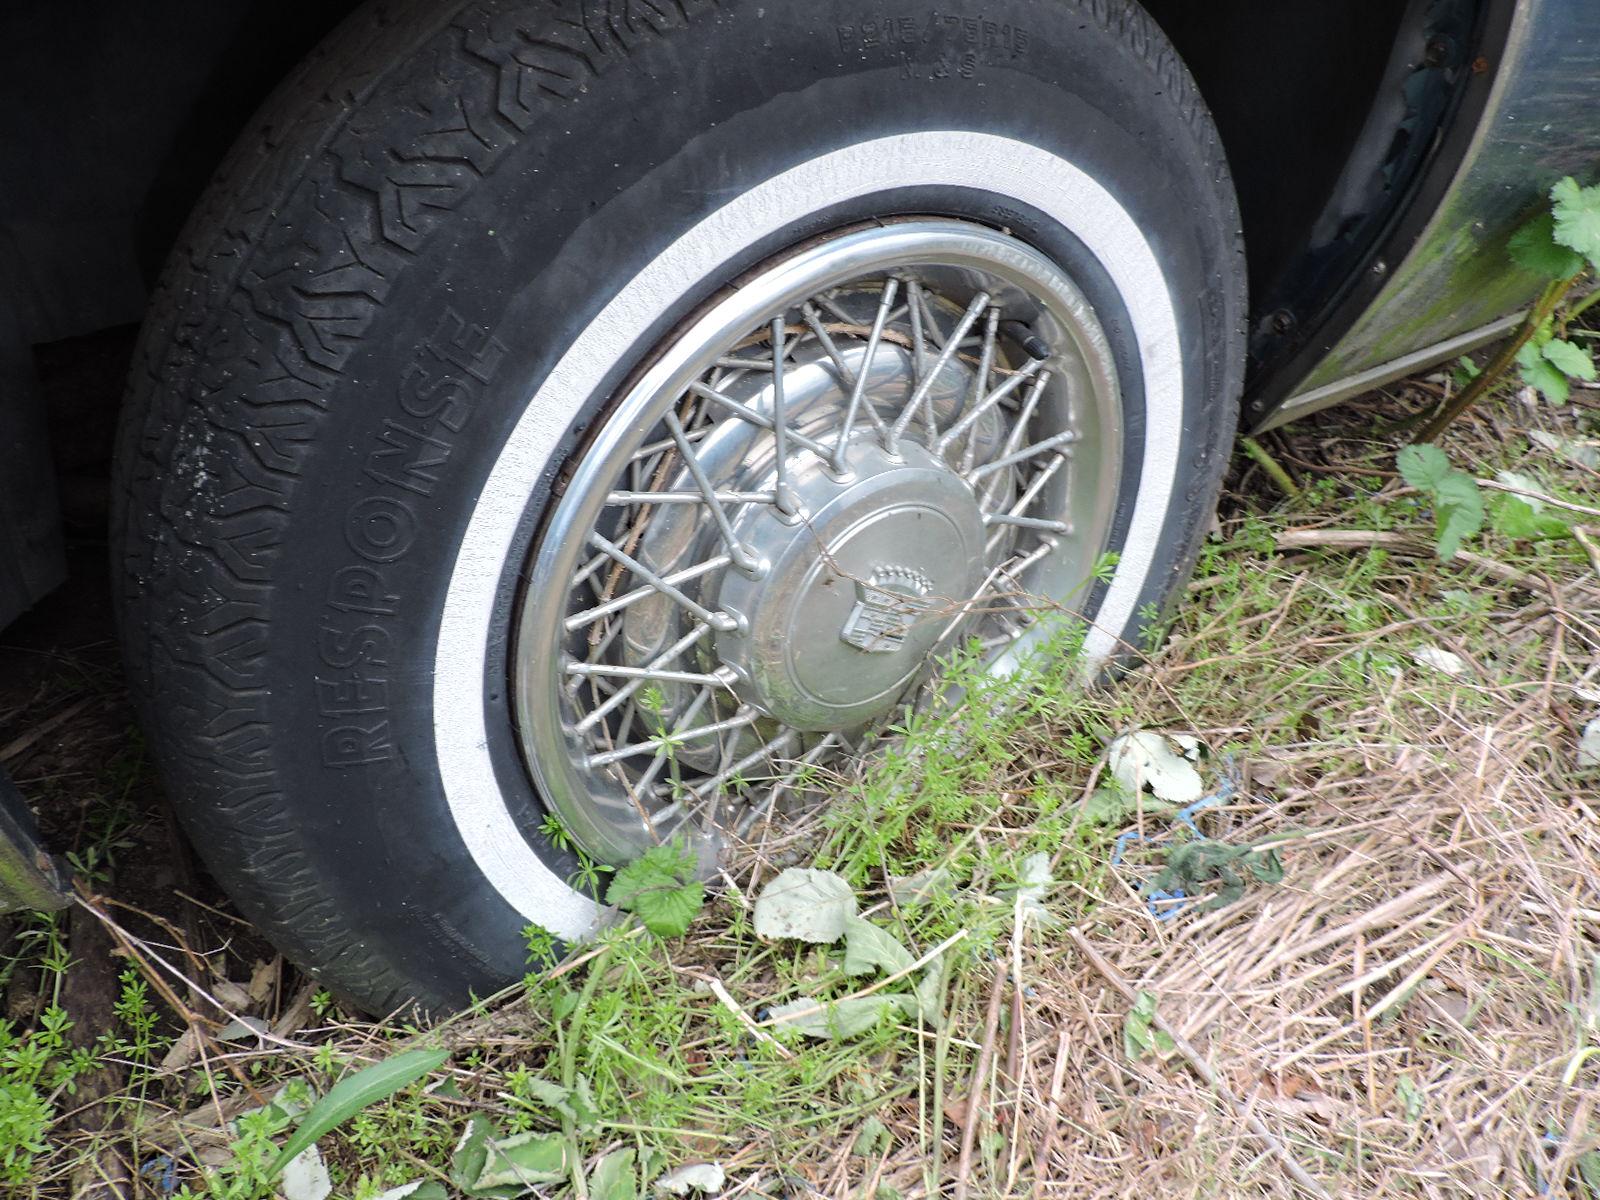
(1561, 246)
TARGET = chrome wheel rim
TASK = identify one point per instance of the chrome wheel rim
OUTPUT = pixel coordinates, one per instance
(890, 443)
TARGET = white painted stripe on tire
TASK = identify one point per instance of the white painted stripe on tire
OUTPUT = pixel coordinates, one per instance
(933, 158)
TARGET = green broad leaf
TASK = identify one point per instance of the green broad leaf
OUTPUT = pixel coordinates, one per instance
(1136, 1039)
(1464, 372)
(420, 1189)
(575, 1103)
(1139, 1033)
(868, 948)
(614, 1177)
(659, 887)
(1423, 466)
(1111, 805)
(430, 1189)
(1515, 518)
(355, 1092)
(1265, 865)
(523, 1160)
(926, 996)
(670, 912)
(1577, 218)
(1458, 510)
(840, 1019)
(1542, 375)
(471, 1152)
(1534, 249)
(1569, 358)
(1457, 506)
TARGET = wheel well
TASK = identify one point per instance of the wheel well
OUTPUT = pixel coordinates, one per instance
(1329, 111)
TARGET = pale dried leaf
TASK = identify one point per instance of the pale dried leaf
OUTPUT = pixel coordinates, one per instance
(811, 905)
(305, 1177)
(1439, 660)
(1589, 745)
(699, 1177)
(1143, 760)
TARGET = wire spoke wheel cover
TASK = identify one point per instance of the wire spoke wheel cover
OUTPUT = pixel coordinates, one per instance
(893, 443)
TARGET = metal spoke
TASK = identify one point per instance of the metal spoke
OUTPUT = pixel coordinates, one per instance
(690, 498)
(717, 620)
(787, 504)
(763, 751)
(624, 693)
(1028, 496)
(980, 381)
(649, 674)
(737, 550)
(975, 414)
(930, 321)
(828, 302)
(1065, 438)
(661, 743)
(759, 420)
(590, 615)
(840, 465)
(918, 336)
(809, 758)
(586, 572)
(926, 382)
(1028, 522)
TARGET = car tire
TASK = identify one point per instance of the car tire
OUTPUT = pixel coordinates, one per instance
(401, 325)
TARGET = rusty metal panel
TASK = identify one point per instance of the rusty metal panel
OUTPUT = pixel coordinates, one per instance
(1542, 121)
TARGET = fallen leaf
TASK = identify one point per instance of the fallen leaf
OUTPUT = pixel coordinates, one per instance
(182, 1051)
(1589, 745)
(838, 1019)
(803, 903)
(915, 889)
(523, 1159)
(305, 1177)
(868, 948)
(230, 995)
(699, 1177)
(1582, 453)
(242, 1029)
(263, 979)
(1144, 760)
(613, 1177)
(1439, 660)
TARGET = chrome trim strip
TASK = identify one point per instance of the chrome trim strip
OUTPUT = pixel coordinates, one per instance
(1305, 403)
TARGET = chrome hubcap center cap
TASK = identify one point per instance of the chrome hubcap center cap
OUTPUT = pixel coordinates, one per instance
(858, 590)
